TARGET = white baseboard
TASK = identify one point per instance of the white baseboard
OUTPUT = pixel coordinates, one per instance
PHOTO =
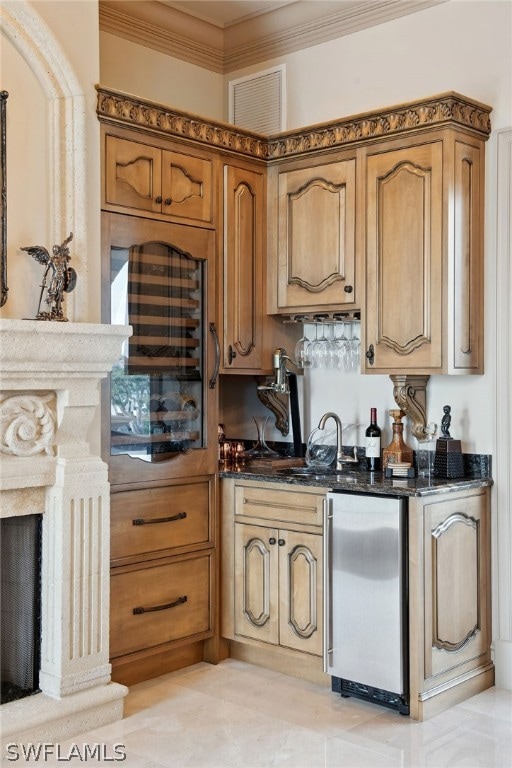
(503, 664)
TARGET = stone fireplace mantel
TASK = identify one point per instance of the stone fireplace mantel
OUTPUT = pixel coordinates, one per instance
(49, 394)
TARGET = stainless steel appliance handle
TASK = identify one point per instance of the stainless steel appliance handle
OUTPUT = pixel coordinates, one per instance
(327, 579)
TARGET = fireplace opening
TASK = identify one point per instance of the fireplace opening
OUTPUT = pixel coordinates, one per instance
(20, 606)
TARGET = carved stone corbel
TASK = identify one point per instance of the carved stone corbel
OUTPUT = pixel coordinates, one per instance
(410, 393)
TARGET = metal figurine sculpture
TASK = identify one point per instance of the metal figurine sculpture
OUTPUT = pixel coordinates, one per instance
(445, 422)
(62, 280)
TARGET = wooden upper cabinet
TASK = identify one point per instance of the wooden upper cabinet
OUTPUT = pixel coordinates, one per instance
(244, 233)
(151, 180)
(424, 256)
(315, 236)
(249, 334)
(404, 256)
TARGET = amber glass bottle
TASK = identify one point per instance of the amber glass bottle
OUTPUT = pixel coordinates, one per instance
(397, 450)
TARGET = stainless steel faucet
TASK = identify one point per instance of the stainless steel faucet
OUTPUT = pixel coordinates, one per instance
(341, 458)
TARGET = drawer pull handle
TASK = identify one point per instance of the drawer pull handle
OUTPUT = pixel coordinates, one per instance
(141, 521)
(179, 601)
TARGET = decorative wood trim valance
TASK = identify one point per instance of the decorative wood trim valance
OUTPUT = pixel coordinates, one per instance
(447, 109)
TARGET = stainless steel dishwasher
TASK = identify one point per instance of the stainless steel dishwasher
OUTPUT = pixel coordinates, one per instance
(365, 598)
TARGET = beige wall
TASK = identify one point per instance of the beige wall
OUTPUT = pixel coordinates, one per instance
(30, 149)
(460, 45)
(463, 46)
(132, 68)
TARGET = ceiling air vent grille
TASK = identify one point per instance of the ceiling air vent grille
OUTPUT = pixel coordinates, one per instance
(257, 102)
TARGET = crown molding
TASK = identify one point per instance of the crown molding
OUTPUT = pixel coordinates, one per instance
(248, 43)
(276, 33)
(446, 109)
(146, 32)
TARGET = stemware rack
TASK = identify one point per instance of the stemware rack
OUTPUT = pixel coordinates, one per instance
(319, 318)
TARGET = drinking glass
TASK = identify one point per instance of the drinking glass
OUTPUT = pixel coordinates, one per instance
(340, 344)
(303, 351)
(320, 350)
(354, 347)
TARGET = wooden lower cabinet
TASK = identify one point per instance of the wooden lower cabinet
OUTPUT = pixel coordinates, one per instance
(271, 586)
(271, 575)
(449, 599)
(278, 587)
(163, 578)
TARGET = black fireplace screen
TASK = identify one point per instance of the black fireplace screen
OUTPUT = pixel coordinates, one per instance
(20, 606)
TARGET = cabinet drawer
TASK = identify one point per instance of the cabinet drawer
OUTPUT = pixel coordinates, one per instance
(302, 506)
(157, 519)
(178, 593)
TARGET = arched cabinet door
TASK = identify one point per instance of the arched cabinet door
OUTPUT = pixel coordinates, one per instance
(300, 591)
(145, 177)
(278, 587)
(316, 236)
(404, 257)
(243, 278)
(256, 582)
(424, 256)
(449, 598)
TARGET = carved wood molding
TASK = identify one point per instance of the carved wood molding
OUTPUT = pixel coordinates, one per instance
(309, 626)
(448, 109)
(272, 401)
(439, 578)
(136, 113)
(410, 393)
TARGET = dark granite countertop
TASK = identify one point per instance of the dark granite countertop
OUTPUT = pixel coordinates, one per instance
(360, 481)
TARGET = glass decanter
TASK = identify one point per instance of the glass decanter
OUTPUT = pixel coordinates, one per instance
(261, 449)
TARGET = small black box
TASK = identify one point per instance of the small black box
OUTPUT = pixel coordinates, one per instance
(448, 463)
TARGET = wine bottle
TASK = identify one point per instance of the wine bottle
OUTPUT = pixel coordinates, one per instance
(373, 462)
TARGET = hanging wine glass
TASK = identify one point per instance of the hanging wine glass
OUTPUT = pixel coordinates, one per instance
(321, 345)
(341, 342)
(303, 348)
(354, 346)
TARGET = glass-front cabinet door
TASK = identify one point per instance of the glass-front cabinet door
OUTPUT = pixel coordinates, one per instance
(162, 389)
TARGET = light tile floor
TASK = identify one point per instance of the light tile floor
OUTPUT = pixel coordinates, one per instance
(236, 715)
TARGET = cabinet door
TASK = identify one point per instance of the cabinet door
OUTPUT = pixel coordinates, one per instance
(187, 186)
(162, 415)
(404, 286)
(457, 584)
(468, 262)
(256, 582)
(300, 591)
(133, 174)
(316, 239)
(243, 268)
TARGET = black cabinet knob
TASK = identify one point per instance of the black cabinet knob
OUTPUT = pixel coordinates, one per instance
(271, 540)
(281, 542)
(370, 354)
(158, 199)
(348, 289)
(167, 201)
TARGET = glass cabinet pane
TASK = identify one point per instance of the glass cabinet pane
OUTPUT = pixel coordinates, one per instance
(157, 385)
